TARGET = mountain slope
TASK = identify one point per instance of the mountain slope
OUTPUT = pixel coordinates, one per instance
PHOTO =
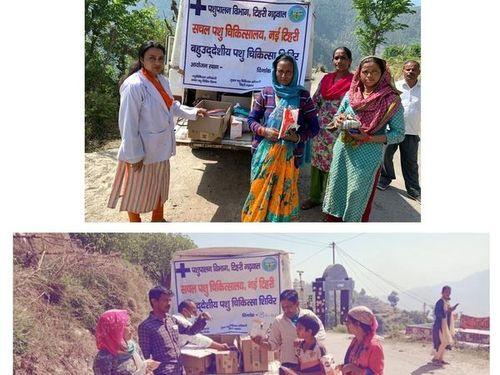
(336, 23)
(59, 292)
(334, 27)
(472, 293)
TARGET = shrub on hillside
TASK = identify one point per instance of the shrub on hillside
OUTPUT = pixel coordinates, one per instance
(58, 299)
(396, 56)
(109, 48)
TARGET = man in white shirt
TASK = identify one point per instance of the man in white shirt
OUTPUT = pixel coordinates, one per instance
(187, 311)
(410, 99)
(283, 331)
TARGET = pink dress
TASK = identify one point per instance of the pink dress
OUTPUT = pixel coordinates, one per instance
(322, 144)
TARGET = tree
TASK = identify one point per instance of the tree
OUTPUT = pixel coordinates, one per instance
(158, 254)
(114, 29)
(153, 251)
(393, 299)
(378, 18)
(418, 317)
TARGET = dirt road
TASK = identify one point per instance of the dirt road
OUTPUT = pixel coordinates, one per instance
(403, 358)
(211, 186)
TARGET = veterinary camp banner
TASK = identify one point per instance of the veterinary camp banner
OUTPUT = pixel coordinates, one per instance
(237, 291)
(230, 45)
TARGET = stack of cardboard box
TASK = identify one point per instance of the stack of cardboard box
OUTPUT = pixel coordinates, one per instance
(197, 362)
(255, 358)
(243, 356)
(210, 128)
(228, 361)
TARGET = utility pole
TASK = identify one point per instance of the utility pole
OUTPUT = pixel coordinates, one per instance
(301, 286)
(335, 320)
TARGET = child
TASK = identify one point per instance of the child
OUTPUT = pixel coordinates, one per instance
(308, 350)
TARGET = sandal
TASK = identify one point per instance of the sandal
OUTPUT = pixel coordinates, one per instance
(308, 204)
(436, 362)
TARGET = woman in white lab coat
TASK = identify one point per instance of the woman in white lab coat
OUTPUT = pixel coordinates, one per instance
(147, 109)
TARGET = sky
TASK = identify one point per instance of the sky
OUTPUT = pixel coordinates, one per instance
(408, 260)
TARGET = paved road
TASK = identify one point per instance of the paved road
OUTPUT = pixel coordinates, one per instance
(402, 358)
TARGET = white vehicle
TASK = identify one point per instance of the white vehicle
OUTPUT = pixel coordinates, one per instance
(188, 96)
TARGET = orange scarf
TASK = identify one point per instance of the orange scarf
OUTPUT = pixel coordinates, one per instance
(156, 83)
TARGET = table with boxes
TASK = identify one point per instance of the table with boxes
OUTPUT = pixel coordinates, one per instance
(244, 356)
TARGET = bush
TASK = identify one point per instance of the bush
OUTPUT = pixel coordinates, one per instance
(21, 335)
(396, 55)
(57, 303)
(100, 117)
(113, 32)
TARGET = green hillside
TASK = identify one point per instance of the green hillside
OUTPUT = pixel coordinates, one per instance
(59, 292)
(335, 25)
(63, 283)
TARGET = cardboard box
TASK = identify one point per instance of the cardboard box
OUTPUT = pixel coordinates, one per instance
(245, 101)
(231, 339)
(214, 336)
(227, 362)
(255, 358)
(236, 128)
(196, 362)
(210, 129)
(244, 123)
(226, 338)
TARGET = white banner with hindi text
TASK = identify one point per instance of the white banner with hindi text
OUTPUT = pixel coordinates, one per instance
(234, 290)
(230, 45)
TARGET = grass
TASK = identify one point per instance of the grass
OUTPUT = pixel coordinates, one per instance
(57, 303)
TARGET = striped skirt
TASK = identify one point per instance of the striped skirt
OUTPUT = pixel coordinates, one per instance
(140, 191)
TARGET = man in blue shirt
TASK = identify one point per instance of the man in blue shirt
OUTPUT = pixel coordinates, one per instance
(159, 333)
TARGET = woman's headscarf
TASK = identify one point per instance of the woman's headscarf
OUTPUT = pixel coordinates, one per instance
(374, 111)
(110, 329)
(364, 315)
(293, 89)
(335, 90)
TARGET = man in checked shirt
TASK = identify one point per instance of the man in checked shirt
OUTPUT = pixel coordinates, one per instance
(159, 333)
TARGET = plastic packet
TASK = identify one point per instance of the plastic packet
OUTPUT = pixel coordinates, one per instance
(328, 364)
(350, 124)
(257, 328)
(289, 121)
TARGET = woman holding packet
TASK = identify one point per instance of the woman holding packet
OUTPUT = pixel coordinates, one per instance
(275, 164)
(370, 116)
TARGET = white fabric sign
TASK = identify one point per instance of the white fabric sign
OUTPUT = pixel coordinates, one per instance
(230, 45)
(235, 291)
